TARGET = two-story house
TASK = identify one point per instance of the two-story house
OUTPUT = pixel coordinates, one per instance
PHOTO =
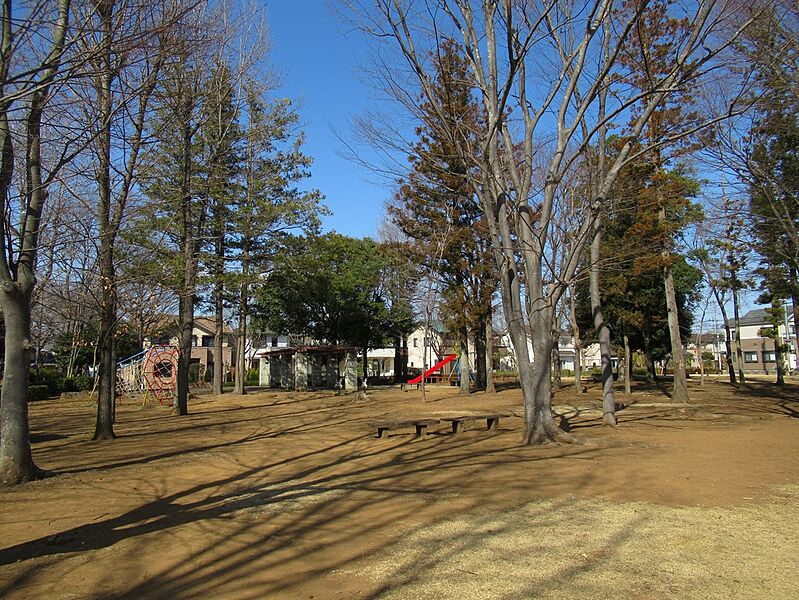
(758, 350)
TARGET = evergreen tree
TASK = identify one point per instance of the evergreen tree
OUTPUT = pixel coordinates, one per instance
(436, 200)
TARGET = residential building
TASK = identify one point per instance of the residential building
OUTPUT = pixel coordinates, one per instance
(759, 354)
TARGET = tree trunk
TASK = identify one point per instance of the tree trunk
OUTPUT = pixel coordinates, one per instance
(795, 314)
(365, 363)
(739, 353)
(16, 460)
(463, 362)
(489, 331)
(601, 327)
(651, 372)
(778, 359)
(106, 388)
(180, 405)
(404, 360)
(539, 424)
(219, 337)
(556, 375)
(397, 359)
(578, 345)
(680, 389)
(727, 337)
(480, 354)
(628, 369)
(241, 358)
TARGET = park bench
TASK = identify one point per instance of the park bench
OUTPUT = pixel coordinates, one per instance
(421, 425)
(492, 420)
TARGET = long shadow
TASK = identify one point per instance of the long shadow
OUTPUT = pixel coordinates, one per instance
(323, 488)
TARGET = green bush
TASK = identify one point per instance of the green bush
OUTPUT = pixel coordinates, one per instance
(69, 385)
(38, 392)
(567, 373)
(50, 377)
(79, 383)
(194, 372)
(253, 376)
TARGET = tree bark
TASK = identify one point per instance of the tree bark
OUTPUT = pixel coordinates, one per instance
(727, 337)
(480, 354)
(539, 424)
(795, 314)
(489, 331)
(680, 388)
(628, 370)
(106, 388)
(219, 326)
(463, 362)
(739, 353)
(16, 459)
(578, 345)
(244, 313)
(602, 329)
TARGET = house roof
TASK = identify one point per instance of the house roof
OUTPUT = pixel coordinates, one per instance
(757, 316)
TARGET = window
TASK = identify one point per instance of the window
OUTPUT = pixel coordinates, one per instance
(274, 341)
(415, 342)
(769, 357)
(208, 340)
(750, 357)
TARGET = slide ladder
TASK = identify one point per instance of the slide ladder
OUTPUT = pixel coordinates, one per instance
(433, 369)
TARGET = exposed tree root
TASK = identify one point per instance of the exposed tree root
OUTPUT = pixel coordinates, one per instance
(548, 433)
(609, 419)
(11, 476)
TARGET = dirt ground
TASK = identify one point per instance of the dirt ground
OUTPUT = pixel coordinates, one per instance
(290, 495)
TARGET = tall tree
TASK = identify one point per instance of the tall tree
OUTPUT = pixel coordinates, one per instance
(438, 194)
(33, 44)
(272, 202)
(133, 41)
(518, 188)
(657, 42)
(327, 288)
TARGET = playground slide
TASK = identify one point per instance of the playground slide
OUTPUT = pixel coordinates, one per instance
(433, 369)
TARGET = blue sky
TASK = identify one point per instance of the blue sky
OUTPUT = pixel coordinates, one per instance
(318, 61)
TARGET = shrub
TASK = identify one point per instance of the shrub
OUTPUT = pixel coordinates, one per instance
(79, 383)
(567, 372)
(50, 377)
(38, 392)
(253, 376)
(69, 385)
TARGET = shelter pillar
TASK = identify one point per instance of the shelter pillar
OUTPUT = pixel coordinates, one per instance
(302, 365)
(351, 372)
(264, 374)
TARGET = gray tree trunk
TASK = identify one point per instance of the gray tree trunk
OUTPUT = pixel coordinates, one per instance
(489, 329)
(480, 354)
(219, 330)
(680, 389)
(578, 345)
(739, 353)
(603, 332)
(463, 362)
(16, 460)
(106, 387)
(628, 368)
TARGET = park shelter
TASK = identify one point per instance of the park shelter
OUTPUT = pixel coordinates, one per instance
(310, 368)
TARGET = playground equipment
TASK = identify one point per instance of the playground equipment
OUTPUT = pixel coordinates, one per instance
(447, 359)
(152, 372)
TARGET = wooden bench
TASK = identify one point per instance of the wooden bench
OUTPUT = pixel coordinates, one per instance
(420, 424)
(492, 420)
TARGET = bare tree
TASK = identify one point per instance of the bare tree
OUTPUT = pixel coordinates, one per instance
(540, 69)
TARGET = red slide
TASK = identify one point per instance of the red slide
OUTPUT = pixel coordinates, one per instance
(433, 369)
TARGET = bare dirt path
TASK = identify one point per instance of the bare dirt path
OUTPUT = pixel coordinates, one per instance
(289, 495)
